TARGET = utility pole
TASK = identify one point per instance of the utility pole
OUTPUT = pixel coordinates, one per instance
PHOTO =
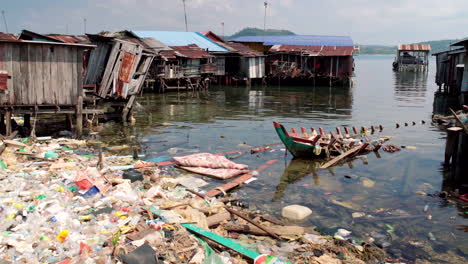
(4, 21)
(84, 24)
(185, 15)
(222, 27)
(264, 18)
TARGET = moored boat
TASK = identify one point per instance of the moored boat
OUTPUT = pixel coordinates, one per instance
(315, 145)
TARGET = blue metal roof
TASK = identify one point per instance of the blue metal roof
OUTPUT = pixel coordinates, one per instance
(175, 38)
(304, 40)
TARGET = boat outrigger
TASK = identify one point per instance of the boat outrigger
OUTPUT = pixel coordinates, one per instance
(315, 145)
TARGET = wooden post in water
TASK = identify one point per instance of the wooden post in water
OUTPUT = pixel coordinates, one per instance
(451, 145)
(461, 165)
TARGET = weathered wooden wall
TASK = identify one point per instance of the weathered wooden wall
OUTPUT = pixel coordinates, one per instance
(97, 62)
(41, 74)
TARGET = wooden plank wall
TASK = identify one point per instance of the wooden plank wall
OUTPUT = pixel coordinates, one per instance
(41, 74)
(97, 63)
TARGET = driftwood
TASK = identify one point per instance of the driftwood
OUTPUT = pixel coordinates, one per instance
(246, 218)
(253, 230)
(10, 137)
(459, 121)
(218, 218)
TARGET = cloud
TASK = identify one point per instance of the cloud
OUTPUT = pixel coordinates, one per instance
(367, 21)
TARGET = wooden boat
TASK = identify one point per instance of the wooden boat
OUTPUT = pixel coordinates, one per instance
(320, 145)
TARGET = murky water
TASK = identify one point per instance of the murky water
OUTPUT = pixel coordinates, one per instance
(384, 186)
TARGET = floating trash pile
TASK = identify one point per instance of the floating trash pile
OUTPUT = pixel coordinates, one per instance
(73, 201)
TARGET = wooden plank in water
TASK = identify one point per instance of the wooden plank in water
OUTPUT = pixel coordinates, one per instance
(340, 157)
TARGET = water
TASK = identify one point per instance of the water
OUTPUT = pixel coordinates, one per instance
(229, 118)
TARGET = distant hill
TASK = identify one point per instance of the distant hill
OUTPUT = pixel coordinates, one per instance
(377, 49)
(259, 32)
(439, 45)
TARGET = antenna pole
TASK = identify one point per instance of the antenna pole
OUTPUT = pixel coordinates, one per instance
(222, 26)
(4, 21)
(84, 24)
(185, 15)
(264, 18)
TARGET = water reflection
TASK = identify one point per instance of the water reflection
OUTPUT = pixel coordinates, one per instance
(410, 87)
(229, 118)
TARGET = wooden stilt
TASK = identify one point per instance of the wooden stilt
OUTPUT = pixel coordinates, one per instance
(27, 120)
(8, 122)
(2, 125)
(69, 122)
(79, 116)
(128, 108)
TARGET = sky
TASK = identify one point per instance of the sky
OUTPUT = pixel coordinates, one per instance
(383, 22)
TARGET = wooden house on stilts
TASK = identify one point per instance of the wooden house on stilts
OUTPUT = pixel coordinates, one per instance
(40, 76)
(305, 59)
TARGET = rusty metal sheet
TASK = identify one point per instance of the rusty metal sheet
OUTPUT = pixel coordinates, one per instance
(128, 61)
(3, 80)
(191, 51)
(418, 47)
(73, 39)
(244, 50)
(7, 37)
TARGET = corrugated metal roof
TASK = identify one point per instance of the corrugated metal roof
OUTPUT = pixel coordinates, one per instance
(7, 36)
(47, 43)
(174, 38)
(421, 47)
(244, 50)
(71, 38)
(322, 51)
(155, 44)
(302, 40)
(211, 36)
(191, 51)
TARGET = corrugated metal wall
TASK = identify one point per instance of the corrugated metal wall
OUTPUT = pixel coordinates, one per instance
(41, 74)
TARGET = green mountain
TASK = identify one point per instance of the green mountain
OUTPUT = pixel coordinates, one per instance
(377, 49)
(439, 45)
(259, 32)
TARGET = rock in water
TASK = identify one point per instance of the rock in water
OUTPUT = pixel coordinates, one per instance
(368, 183)
(296, 212)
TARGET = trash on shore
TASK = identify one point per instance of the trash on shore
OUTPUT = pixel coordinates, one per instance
(84, 204)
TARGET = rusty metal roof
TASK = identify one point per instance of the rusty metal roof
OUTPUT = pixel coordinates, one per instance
(321, 51)
(8, 37)
(244, 50)
(77, 39)
(191, 51)
(211, 36)
(420, 47)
